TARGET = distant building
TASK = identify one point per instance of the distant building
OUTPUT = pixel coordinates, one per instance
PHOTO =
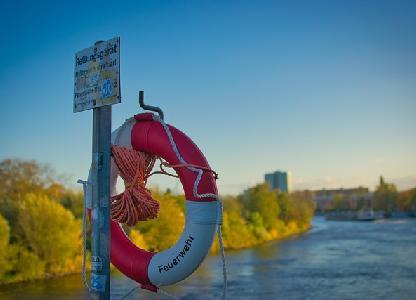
(324, 198)
(279, 180)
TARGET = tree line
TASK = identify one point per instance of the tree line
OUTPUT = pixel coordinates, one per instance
(40, 221)
(385, 198)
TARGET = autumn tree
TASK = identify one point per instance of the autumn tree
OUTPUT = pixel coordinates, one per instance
(50, 231)
(236, 229)
(260, 199)
(17, 178)
(73, 201)
(163, 232)
(138, 239)
(406, 200)
(4, 246)
(385, 196)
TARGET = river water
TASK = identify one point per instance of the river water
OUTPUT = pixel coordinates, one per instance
(335, 260)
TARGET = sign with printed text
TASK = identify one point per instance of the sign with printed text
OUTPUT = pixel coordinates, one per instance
(96, 264)
(97, 76)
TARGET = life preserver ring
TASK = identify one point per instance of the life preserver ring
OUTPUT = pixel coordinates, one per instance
(148, 133)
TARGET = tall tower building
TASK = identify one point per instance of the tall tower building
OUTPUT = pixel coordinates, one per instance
(279, 180)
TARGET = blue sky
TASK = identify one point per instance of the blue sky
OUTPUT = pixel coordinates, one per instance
(325, 89)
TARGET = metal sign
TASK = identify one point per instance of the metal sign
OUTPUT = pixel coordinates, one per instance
(97, 75)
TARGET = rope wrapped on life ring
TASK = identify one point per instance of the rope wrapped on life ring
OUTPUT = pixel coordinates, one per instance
(136, 202)
(136, 145)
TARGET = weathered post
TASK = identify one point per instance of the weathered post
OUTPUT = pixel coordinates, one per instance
(97, 87)
(100, 213)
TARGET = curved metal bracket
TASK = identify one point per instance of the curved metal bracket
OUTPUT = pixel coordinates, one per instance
(149, 107)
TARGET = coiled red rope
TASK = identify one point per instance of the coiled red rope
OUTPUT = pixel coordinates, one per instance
(136, 202)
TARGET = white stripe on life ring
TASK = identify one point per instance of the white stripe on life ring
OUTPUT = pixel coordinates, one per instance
(196, 239)
(181, 260)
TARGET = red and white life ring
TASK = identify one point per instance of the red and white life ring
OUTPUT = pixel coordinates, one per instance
(147, 132)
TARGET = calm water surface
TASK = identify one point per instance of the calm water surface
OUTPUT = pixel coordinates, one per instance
(335, 260)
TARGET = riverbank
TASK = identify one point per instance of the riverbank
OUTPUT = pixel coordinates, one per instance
(41, 224)
(366, 215)
(333, 260)
(286, 232)
(290, 232)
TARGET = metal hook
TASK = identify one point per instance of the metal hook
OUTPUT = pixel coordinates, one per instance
(149, 107)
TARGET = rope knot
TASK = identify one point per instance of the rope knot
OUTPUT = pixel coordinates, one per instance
(136, 202)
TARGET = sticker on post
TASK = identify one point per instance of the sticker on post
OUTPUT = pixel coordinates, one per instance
(96, 264)
(106, 88)
(98, 282)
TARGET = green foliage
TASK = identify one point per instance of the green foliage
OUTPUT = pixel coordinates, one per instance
(264, 201)
(260, 215)
(301, 210)
(18, 178)
(49, 230)
(26, 264)
(40, 227)
(385, 196)
(73, 201)
(163, 232)
(4, 246)
(138, 239)
(256, 224)
(388, 199)
(236, 230)
(411, 195)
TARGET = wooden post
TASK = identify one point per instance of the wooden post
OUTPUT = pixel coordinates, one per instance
(100, 214)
